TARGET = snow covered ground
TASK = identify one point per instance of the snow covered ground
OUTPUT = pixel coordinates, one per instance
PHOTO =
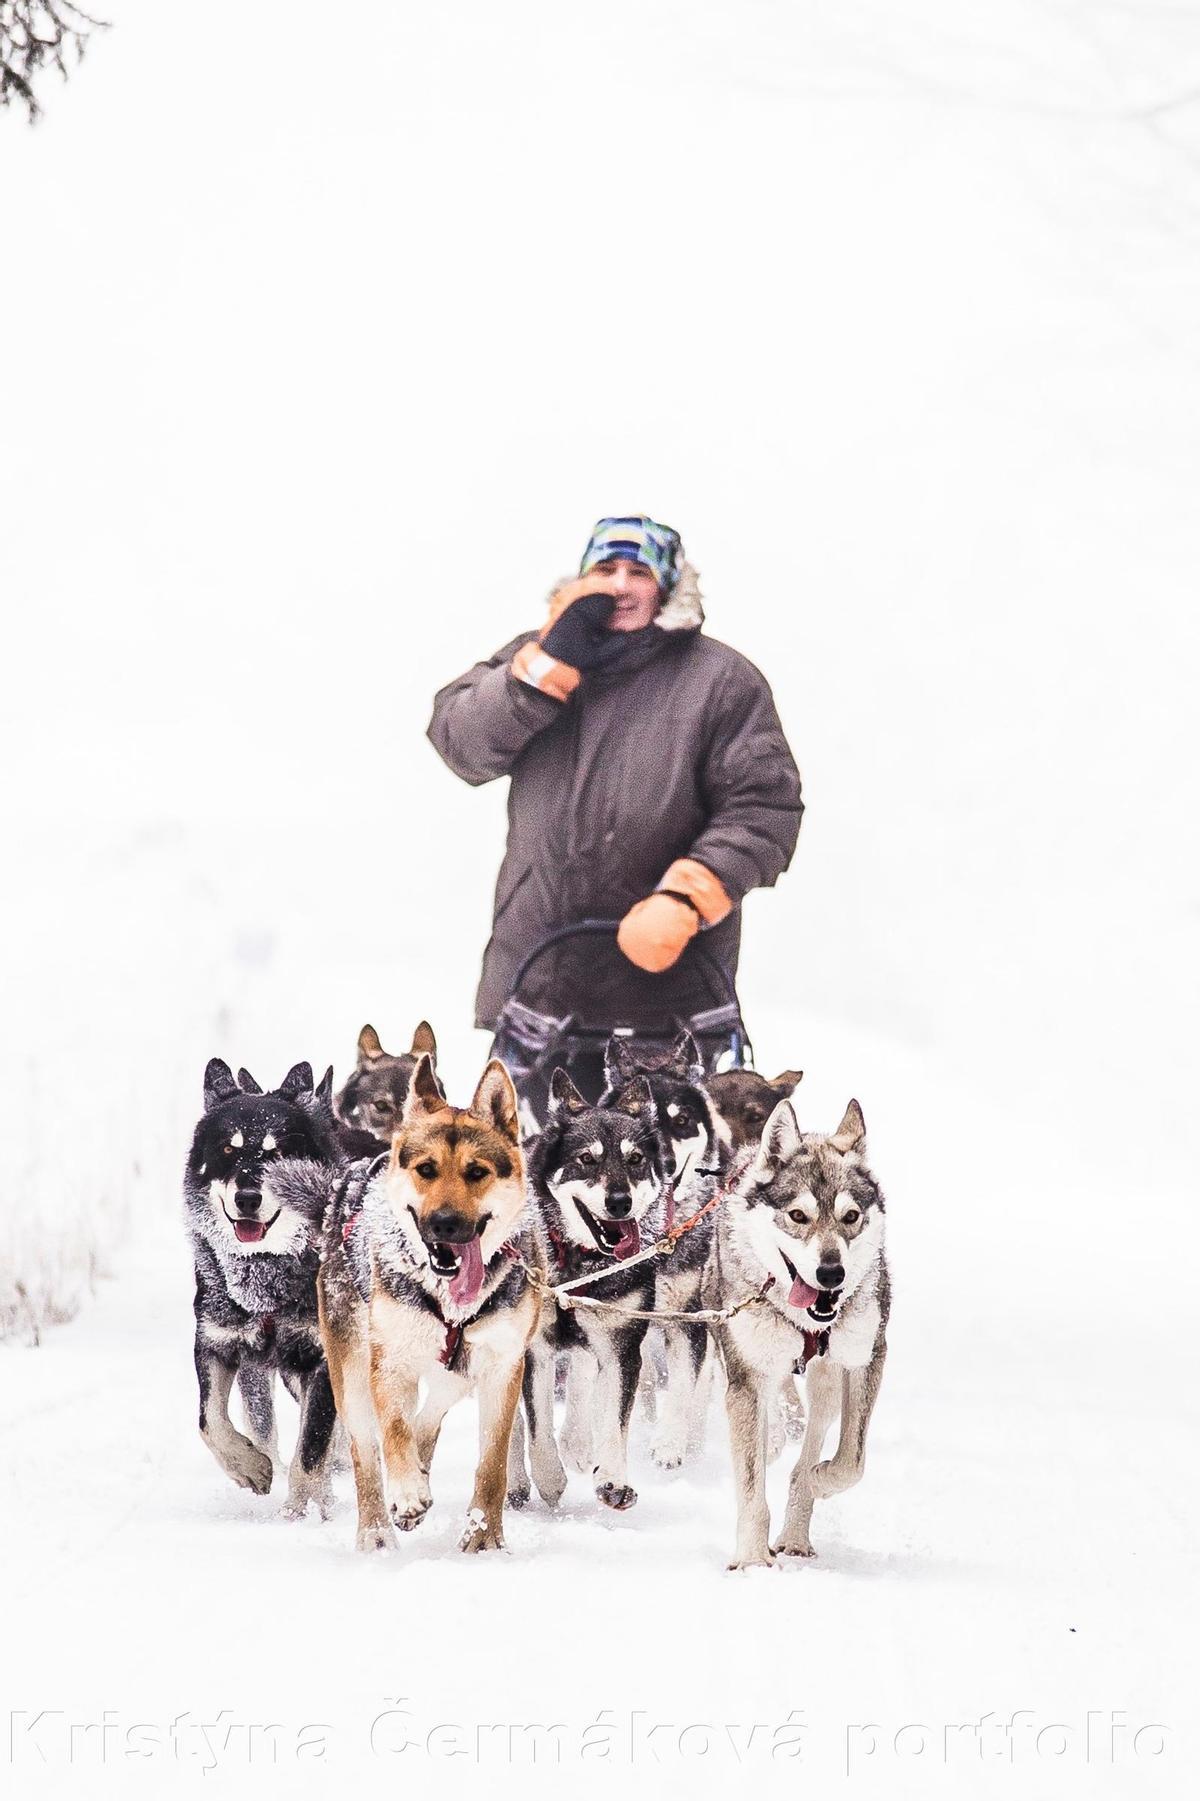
(330, 353)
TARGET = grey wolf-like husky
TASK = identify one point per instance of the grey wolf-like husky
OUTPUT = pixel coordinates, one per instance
(803, 1223)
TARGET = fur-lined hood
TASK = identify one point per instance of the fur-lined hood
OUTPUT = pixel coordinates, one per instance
(684, 611)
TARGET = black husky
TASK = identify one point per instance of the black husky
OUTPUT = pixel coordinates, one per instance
(597, 1178)
(254, 1191)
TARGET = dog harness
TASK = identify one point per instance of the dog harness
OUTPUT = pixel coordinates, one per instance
(451, 1344)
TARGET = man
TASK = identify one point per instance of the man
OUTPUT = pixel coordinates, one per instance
(650, 782)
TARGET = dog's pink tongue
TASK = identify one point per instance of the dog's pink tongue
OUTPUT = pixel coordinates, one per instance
(469, 1280)
(801, 1294)
(248, 1231)
(630, 1241)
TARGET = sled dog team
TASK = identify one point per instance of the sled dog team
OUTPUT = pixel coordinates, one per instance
(387, 1253)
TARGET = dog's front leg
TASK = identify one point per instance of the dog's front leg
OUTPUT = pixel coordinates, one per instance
(345, 1336)
(442, 1390)
(824, 1391)
(745, 1408)
(499, 1392)
(242, 1461)
(394, 1392)
(309, 1475)
(616, 1385)
(256, 1385)
(544, 1461)
(845, 1468)
(518, 1474)
(686, 1349)
(578, 1434)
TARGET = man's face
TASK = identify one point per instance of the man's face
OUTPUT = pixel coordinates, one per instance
(635, 590)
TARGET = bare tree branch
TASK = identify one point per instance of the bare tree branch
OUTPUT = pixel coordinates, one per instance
(35, 34)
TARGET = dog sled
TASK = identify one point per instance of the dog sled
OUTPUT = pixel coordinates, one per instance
(532, 1044)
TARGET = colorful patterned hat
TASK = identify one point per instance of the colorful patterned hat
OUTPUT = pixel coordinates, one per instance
(636, 540)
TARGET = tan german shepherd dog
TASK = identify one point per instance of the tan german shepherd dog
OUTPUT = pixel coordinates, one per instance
(422, 1280)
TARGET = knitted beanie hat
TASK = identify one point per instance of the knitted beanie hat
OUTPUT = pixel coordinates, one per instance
(636, 539)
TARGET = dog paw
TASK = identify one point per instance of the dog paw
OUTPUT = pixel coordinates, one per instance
(519, 1497)
(617, 1495)
(480, 1534)
(577, 1456)
(832, 1479)
(408, 1513)
(668, 1450)
(765, 1562)
(787, 1547)
(552, 1485)
(250, 1468)
(373, 1538)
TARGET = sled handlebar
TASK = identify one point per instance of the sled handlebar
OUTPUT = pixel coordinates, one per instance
(607, 928)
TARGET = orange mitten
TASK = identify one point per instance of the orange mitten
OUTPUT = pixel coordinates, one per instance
(656, 931)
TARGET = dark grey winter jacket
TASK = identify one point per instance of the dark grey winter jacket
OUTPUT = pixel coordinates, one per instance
(679, 753)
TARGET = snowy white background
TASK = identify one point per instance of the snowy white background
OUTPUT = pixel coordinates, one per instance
(325, 346)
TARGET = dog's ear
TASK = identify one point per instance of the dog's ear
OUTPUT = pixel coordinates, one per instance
(496, 1099)
(246, 1082)
(298, 1080)
(636, 1100)
(564, 1096)
(424, 1095)
(780, 1139)
(323, 1092)
(788, 1082)
(369, 1047)
(685, 1060)
(619, 1061)
(219, 1084)
(424, 1041)
(851, 1135)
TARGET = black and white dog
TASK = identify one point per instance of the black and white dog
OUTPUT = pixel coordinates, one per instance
(597, 1177)
(699, 1137)
(254, 1190)
(676, 1386)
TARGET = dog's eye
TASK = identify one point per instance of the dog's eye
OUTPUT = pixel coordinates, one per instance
(427, 1170)
(586, 1159)
(754, 1117)
(799, 1215)
(227, 1150)
(682, 1121)
(851, 1217)
(634, 1158)
(476, 1172)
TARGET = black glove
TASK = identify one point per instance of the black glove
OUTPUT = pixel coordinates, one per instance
(579, 636)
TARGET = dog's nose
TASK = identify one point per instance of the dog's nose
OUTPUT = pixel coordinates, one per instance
(831, 1275)
(249, 1200)
(448, 1226)
(619, 1205)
